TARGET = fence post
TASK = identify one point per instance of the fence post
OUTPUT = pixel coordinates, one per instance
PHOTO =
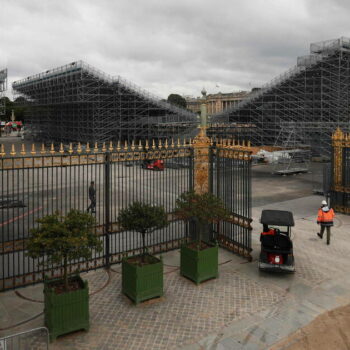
(337, 140)
(107, 189)
(201, 145)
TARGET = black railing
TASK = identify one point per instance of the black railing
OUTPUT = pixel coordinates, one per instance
(39, 184)
(231, 173)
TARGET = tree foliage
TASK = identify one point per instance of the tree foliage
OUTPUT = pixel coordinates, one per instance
(61, 239)
(203, 208)
(143, 218)
(19, 106)
(177, 100)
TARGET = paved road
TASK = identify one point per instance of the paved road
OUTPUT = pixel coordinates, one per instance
(46, 190)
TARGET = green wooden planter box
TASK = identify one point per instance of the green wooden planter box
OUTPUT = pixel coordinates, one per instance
(66, 312)
(199, 265)
(141, 283)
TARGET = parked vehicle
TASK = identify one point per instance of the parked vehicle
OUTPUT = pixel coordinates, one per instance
(276, 244)
(157, 165)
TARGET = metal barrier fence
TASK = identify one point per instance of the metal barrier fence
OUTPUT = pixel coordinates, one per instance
(34, 339)
(231, 171)
(340, 189)
(40, 183)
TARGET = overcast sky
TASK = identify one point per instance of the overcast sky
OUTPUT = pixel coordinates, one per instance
(168, 46)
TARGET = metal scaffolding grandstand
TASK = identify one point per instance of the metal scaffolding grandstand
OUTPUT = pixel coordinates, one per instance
(314, 95)
(78, 102)
(3, 88)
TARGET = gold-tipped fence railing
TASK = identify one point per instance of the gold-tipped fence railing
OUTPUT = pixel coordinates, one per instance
(40, 179)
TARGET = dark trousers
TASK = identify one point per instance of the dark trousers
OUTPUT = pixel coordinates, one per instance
(323, 227)
(92, 205)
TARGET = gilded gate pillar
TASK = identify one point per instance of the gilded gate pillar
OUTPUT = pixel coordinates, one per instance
(337, 140)
(201, 144)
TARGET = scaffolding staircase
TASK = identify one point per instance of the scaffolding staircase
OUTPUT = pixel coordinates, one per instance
(294, 157)
(314, 94)
(78, 102)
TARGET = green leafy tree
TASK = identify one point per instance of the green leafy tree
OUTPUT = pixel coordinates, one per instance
(143, 218)
(60, 239)
(204, 209)
(177, 100)
(19, 106)
(8, 108)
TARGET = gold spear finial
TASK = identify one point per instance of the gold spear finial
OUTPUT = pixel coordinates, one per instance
(338, 135)
(133, 145)
(23, 149)
(172, 143)
(184, 144)
(33, 152)
(52, 150)
(111, 148)
(87, 147)
(160, 144)
(146, 146)
(79, 150)
(42, 151)
(13, 150)
(96, 148)
(140, 145)
(166, 144)
(61, 148)
(118, 146)
(249, 144)
(178, 143)
(153, 144)
(70, 150)
(126, 146)
(2, 152)
(104, 149)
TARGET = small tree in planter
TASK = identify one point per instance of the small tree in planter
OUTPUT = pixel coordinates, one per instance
(59, 240)
(142, 275)
(199, 260)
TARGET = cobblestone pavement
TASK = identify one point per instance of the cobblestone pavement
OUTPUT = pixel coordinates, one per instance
(242, 309)
(185, 313)
(321, 282)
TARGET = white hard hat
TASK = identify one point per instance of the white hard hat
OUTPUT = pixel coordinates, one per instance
(324, 202)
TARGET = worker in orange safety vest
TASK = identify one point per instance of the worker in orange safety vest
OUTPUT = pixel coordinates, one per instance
(325, 219)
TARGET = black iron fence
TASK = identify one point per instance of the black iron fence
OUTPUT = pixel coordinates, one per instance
(231, 182)
(45, 181)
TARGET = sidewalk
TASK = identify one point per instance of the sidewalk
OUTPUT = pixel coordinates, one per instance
(242, 309)
(321, 282)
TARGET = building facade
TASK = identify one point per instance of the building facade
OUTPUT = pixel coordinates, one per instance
(216, 103)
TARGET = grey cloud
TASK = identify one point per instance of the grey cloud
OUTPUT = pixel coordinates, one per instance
(168, 46)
